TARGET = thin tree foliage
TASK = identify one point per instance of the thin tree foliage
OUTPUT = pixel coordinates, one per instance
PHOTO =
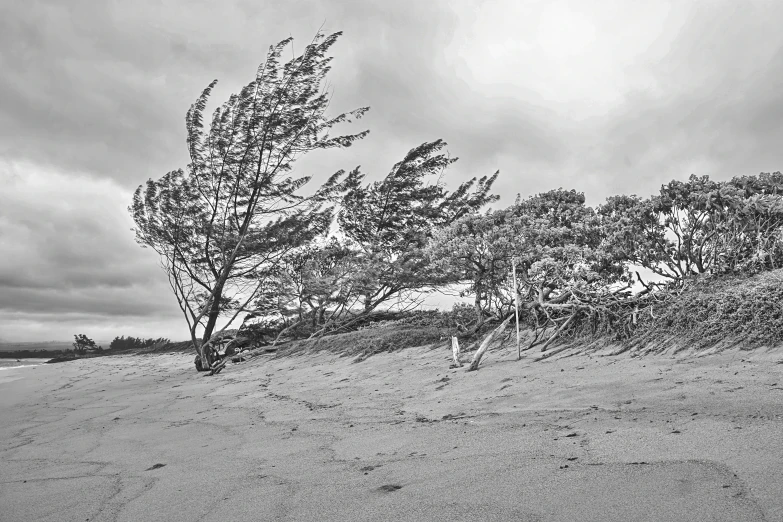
(222, 223)
(390, 221)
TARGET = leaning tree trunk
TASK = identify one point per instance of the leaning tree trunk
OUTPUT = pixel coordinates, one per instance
(198, 346)
(485, 344)
(214, 313)
(204, 354)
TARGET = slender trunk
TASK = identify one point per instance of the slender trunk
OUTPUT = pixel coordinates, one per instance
(198, 345)
(286, 330)
(478, 308)
(214, 312)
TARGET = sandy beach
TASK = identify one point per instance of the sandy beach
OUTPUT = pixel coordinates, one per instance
(396, 437)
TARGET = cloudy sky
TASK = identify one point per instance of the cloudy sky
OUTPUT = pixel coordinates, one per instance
(604, 96)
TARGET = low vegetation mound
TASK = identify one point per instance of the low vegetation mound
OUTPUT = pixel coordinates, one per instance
(716, 312)
(378, 338)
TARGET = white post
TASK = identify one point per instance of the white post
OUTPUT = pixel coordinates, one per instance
(516, 303)
(455, 352)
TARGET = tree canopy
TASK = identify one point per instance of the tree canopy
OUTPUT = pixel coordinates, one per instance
(221, 224)
(390, 221)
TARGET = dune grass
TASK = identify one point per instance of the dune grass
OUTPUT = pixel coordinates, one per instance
(369, 341)
(717, 313)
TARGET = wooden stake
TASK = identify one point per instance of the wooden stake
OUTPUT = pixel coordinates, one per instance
(516, 304)
(455, 352)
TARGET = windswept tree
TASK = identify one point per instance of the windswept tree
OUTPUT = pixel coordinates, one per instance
(476, 250)
(699, 225)
(220, 225)
(82, 344)
(556, 242)
(563, 244)
(314, 284)
(390, 221)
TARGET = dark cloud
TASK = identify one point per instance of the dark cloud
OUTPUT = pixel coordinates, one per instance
(596, 96)
(49, 326)
(68, 252)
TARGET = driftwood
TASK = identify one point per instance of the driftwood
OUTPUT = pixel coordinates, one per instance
(217, 366)
(550, 353)
(209, 350)
(557, 332)
(557, 317)
(455, 353)
(485, 344)
(249, 354)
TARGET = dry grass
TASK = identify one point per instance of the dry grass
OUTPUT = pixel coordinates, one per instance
(367, 342)
(717, 313)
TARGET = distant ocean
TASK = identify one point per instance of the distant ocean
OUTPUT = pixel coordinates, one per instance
(8, 364)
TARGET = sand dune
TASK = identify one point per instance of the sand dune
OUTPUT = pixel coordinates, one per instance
(396, 437)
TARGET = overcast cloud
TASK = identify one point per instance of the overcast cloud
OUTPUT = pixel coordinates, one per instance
(603, 96)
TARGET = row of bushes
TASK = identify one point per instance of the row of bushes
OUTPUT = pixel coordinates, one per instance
(708, 312)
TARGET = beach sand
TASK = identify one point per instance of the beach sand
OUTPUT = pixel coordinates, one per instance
(395, 437)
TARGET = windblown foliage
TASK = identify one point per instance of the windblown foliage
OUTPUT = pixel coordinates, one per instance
(82, 344)
(131, 343)
(390, 221)
(221, 225)
(554, 240)
(700, 226)
(574, 264)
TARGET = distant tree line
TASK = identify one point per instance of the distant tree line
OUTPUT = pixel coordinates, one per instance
(83, 345)
(238, 237)
(130, 342)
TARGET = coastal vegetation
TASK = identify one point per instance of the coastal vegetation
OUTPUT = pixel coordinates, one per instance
(83, 344)
(135, 343)
(349, 262)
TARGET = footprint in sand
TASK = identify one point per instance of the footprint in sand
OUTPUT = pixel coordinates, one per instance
(389, 488)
